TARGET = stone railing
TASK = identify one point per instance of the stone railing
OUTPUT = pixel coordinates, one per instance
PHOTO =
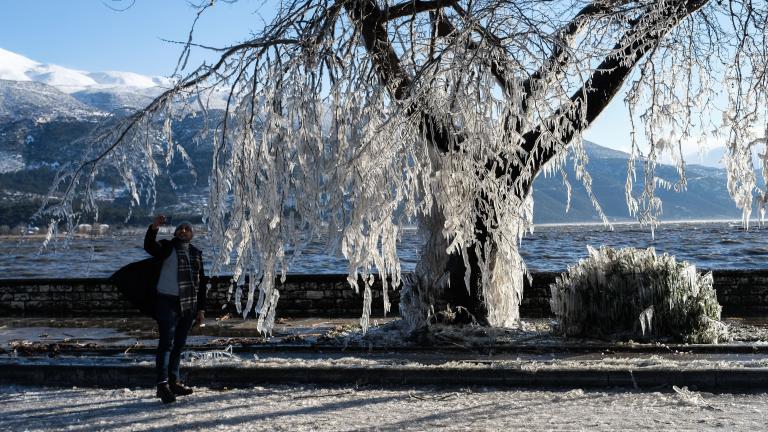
(740, 292)
(300, 295)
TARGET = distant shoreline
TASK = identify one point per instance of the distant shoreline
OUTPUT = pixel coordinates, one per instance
(634, 222)
(168, 230)
(42, 236)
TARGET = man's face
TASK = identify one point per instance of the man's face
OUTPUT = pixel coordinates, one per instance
(184, 233)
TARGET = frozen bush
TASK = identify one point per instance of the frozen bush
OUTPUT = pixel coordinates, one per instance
(635, 293)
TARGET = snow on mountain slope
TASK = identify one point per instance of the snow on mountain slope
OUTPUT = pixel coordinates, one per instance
(106, 91)
(16, 67)
(10, 162)
(116, 99)
(34, 100)
(128, 79)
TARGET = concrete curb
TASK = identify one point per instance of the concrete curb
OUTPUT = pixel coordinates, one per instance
(743, 348)
(111, 376)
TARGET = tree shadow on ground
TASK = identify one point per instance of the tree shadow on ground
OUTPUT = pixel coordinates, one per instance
(66, 413)
(474, 415)
(138, 412)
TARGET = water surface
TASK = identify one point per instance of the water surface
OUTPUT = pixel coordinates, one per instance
(708, 245)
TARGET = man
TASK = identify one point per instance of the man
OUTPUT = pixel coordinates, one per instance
(180, 302)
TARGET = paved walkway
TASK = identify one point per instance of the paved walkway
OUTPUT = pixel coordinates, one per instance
(231, 353)
(348, 408)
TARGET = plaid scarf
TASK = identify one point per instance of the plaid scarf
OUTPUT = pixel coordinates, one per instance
(188, 269)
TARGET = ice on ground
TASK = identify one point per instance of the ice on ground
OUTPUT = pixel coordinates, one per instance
(420, 360)
(396, 333)
(211, 357)
(59, 334)
(310, 408)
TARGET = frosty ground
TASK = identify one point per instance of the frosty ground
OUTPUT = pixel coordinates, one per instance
(424, 407)
(300, 408)
(346, 408)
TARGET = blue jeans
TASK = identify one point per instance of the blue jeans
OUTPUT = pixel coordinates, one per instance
(174, 325)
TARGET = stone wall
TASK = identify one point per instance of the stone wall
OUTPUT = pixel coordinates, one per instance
(740, 292)
(300, 295)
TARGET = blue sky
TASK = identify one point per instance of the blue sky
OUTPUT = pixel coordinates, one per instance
(89, 35)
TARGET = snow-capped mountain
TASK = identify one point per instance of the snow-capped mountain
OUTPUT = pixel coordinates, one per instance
(15, 67)
(108, 91)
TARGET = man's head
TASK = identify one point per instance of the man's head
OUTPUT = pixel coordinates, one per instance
(184, 231)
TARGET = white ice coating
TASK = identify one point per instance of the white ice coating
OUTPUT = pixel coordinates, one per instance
(635, 292)
(503, 270)
(327, 130)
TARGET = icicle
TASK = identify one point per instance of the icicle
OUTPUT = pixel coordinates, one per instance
(307, 128)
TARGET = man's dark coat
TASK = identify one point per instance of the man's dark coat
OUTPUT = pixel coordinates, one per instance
(138, 281)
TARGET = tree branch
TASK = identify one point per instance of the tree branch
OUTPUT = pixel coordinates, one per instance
(602, 86)
(408, 8)
(498, 66)
(552, 66)
(368, 18)
(559, 57)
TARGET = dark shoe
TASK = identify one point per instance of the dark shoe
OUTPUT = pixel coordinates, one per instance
(179, 389)
(165, 394)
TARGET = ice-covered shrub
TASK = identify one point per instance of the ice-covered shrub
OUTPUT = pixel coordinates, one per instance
(638, 294)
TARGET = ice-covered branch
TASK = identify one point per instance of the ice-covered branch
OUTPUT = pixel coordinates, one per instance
(350, 120)
(588, 102)
(412, 7)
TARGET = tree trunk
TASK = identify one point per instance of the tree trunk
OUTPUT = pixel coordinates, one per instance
(465, 293)
(481, 284)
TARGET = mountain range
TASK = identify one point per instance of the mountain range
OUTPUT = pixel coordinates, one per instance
(705, 196)
(15, 67)
(46, 109)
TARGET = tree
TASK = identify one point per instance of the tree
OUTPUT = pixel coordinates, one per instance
(354, 117)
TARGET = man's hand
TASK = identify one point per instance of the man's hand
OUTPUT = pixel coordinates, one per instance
(200, 321)
(158, 221)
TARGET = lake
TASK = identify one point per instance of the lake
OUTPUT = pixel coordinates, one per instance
(708, 245)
